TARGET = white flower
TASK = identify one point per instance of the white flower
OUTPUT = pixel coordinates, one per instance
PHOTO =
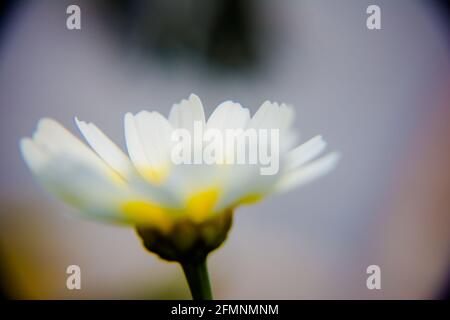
(145, 188)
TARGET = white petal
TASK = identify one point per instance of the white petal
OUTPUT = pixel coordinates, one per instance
(267, 117)
(272, 116)
(305, 152)
(186, 179)
(287, 115)
(307, 173)
(35, 158)
(184, 114)
(84, 188)
(229, 115)
(105, 148)
(75, 181)
(73, 172)
(134, 143)
(54, 139)
(155, 134)
(165, 194)
(242, 181)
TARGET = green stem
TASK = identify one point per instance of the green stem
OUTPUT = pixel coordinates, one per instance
(196, 273)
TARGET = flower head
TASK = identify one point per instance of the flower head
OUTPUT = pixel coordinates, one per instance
(179, 209)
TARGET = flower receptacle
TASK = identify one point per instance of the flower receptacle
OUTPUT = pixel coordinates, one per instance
(187, 240)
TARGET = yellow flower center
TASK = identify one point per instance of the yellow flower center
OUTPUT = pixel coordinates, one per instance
(198, 208)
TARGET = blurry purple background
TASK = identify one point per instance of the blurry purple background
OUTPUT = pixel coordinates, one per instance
(377, 96)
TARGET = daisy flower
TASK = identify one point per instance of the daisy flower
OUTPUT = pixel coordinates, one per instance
(182, 211)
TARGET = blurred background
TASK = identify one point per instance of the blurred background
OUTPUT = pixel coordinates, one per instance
(381, 97)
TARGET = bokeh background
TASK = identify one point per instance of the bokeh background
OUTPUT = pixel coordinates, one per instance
(380, 97)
